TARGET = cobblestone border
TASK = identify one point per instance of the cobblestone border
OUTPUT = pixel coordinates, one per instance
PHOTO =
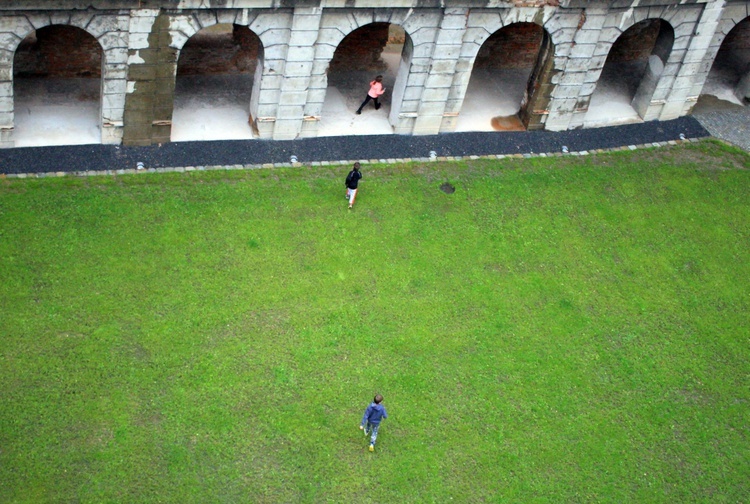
(184, 169)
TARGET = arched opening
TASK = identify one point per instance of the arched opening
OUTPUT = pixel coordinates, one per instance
(374, 49)
(729, 78)
(57, 75)
(501, 79)
(216, 72)
(631, 73)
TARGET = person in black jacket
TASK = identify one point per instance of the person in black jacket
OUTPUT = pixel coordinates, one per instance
(352, 180)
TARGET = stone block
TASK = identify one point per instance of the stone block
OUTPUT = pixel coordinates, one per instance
(205, 18)
(16, 24)
(435, 108)
(439, 81)
(562, 105)
(265, 129)
(295, 84)
(413, 93)
(450, 37)
(9, 41)
(113, 117)
(417, 79)
(587, 37)
(563, 50)
(409, 107)
(454, 20)
(60, 18)
(301, 54)
(117, 71)
(38, 20)
(113, 101)
(112, 135)
(443, 66)
(303, 38)
(436, 95)
(117, 55)
(587, 89)
(563, 20)
(142, 72)
(679, 94)
(138, 41)
(292, 98)
(566, 92)
(582, 51)
(226, 16)
(427, 125)
(684, 82)
(6, 109)
(286, 130)
(563, 35)
(275, 37)
(289, 112)
(96, 25)
(423, 50)
(6, 57)
(570, 79)
(144, 24)
(306, 22)
(269, 97)
(577, 65)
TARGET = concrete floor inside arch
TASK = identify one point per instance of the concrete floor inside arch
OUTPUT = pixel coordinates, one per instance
(57, 111)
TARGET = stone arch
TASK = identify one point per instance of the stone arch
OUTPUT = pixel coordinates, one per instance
(57, 87)
(377, 48)
(214, 84)
(557, 36)
(336, 26)
(506, 75)
(111, 33)
(729, 75)
(186, 26)
(483, 24)
(639, 61)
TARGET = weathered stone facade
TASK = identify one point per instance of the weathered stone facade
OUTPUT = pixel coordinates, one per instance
(141, 41)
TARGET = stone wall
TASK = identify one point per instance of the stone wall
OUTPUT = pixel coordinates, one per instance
(142, 40)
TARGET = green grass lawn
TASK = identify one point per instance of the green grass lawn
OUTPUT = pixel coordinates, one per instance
(557, 330)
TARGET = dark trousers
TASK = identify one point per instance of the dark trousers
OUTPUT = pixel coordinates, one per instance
(377, 104)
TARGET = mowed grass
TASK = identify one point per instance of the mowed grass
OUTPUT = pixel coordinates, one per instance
(557, 330)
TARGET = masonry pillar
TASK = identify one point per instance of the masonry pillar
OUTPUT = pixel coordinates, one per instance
(6, 96)
(433, 115)
(300, 96)
(274, 30)
(538, 95)
(151, 79)
(580, 61)
(701, 52)
(417, 89)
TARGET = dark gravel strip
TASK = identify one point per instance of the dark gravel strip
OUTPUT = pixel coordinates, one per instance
(75, 158)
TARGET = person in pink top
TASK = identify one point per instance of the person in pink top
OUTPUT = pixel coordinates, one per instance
(376, 90)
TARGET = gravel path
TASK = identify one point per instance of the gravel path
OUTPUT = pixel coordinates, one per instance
(256, 152)
(724, 120)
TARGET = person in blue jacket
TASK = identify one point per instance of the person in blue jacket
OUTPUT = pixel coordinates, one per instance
(374, 414)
